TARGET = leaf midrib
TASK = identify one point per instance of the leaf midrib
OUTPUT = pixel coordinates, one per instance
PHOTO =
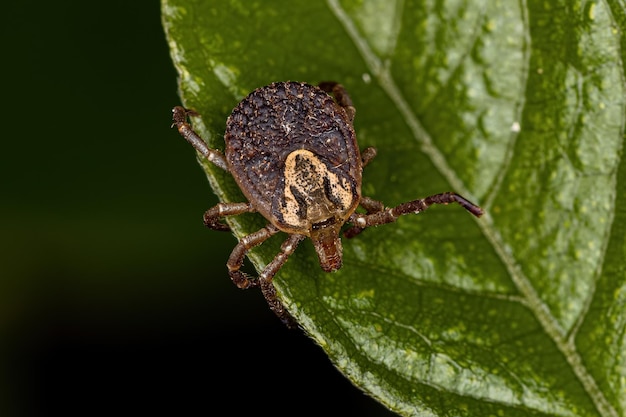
(486, 224)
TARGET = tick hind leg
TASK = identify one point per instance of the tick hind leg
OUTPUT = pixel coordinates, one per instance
(179, 119)
(341, 96)
(367, 155)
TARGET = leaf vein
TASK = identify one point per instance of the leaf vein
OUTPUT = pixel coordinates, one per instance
(534, 302)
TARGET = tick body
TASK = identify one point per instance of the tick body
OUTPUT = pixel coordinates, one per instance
(292, 149)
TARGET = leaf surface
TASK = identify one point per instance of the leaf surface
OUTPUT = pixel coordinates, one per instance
(517, 106)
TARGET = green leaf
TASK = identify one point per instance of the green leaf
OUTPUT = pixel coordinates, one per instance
(519, 106)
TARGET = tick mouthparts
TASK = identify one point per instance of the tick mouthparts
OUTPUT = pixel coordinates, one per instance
(329, 249)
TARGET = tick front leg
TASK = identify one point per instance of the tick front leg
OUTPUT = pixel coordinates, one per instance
(237, 256)
(212, 216)
(390, 215)
(371, 206)
(243, 280)
(179, 119)
(266, 276)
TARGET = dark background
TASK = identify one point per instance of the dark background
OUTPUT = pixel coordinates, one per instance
(114, 299)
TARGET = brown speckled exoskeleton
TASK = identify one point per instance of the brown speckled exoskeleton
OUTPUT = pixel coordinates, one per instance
(292, 150)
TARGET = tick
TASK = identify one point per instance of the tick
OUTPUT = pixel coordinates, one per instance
(292, 149)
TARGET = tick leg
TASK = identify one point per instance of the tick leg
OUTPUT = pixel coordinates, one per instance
(389, 215)
(341, 96)
(265, 279)
(179, 119)
(212, 216)
(367, 155)
(371, 206)
(237, 256)
(243, 280)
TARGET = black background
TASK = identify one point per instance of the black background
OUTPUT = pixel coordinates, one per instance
(113, 297)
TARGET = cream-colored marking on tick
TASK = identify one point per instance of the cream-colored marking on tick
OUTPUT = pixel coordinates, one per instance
(305, 174)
